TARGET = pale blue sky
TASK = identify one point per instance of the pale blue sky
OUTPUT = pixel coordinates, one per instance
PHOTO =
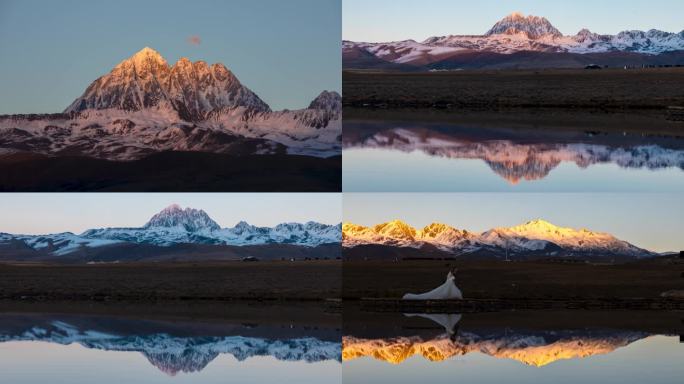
(391, 20)
(41, 213)
(653, 221)
(50, 51)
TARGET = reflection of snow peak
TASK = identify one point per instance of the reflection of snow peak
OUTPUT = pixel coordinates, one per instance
(514, 161)
(172, 354)
(535, 349)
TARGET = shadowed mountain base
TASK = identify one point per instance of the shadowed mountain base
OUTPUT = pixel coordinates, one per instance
(171, 172)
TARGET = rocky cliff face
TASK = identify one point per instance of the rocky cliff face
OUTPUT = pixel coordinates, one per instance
(145, 80)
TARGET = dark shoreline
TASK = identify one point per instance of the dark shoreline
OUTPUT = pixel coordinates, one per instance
(364, 323)
(649, 124)
(508, 304)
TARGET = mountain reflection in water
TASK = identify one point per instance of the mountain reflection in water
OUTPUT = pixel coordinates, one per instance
(176, 347)
(531, 346)
(514, 155)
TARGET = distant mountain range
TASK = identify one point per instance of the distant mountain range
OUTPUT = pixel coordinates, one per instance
(145, 106)
(533, 239)
(178, 234)
(519, 41)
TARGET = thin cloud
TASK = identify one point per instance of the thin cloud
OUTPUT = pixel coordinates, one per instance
(194, 40)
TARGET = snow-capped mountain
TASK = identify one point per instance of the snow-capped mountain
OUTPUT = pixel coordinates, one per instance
(173, 354)
(145, 80)
(398, 233)
(531, 237)
(515, 161)
(175, 225)
(513, 34)
(327, 101)
(145, 106)
(188, 219)
(516, 23)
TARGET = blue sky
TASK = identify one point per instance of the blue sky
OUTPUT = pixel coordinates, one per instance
(50, 51)
(41, 213)
(390, 20)
(653, 221)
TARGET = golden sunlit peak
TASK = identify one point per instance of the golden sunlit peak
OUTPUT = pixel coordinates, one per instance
(540, 222)
(516, 15)
(148, 50)
(144, 57)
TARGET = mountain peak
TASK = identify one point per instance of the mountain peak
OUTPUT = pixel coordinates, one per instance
(540, 223)
(327, 101)
(145, 57)
(396, 229)
(190, 219)
(145, 80)
(533, 27)
(147, 51)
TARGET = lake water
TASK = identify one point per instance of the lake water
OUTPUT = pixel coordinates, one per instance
(42, 348)
(418, 157)
(476, 348)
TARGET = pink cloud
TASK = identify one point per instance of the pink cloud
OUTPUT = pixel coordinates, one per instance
(194, 40)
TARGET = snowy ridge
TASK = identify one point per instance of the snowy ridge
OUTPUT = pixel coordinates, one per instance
(514, 162)
(173, 354)
(535, 235)
(175, 225)
(518, 33)
(145, 106)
